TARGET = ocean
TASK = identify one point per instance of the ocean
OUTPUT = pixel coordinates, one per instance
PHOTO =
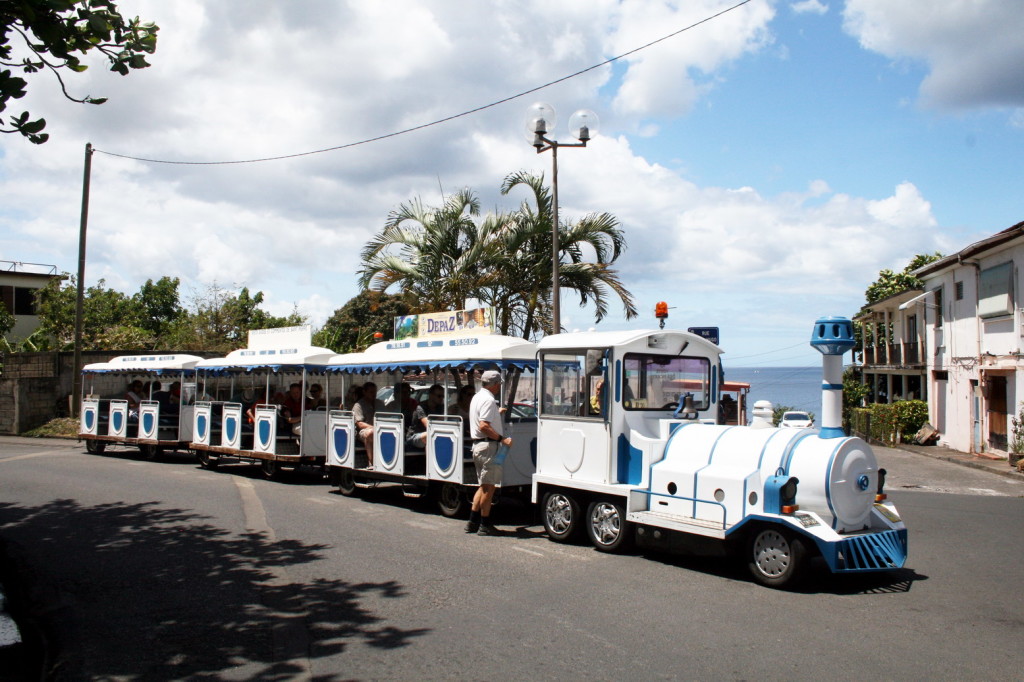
(797, 387)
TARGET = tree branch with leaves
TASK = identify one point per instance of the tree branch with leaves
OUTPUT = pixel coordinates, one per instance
(54, 36)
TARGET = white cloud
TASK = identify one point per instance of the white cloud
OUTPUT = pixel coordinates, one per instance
(809, 7)
(973, 50)
(667, 79)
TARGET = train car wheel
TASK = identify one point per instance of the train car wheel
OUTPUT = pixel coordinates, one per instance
(776, 556)
(607, 526)
(270, 469)
(205, 460)
(452, 500)
(561, 516)
(346, 482)
(150, 451)
(95, 447)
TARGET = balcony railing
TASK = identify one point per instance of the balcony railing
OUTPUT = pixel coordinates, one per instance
(893, 353)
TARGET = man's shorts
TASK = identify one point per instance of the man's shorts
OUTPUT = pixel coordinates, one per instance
(487, 472)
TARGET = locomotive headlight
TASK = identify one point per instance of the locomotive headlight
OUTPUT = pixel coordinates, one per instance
(787, 495)
(879, 495)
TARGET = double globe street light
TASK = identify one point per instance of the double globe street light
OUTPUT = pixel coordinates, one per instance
(540, 118)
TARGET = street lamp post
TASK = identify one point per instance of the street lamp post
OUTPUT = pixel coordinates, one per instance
(583, 124)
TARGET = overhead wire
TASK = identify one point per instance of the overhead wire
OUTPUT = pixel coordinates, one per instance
(439, 121)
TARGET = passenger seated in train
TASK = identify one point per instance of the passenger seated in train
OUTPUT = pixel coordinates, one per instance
(595, 400)
(352, 396)
(173, 399)
(363, 412)
(262, 398)
(315, 400)
(416, 434)
(404, 403)
(291, 408)
(461, 405)
(135, 395)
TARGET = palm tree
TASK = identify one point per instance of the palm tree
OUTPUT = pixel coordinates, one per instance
(433, 254)
(520, 257)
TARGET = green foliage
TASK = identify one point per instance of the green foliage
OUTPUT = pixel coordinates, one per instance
(1017, 431)
(150, 319)
(890, 283)
(55, 35)
(6, 319)
(891, 423)
(105, 313)
(352, 326)
(438, 257)
(219, 320)
(855, 394)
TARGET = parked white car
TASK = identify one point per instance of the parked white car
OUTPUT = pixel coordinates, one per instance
(796, 420)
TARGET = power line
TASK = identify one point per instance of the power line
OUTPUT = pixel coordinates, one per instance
(767, 352)
(441, 120)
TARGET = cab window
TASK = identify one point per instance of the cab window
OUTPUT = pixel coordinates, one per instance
(659, 382)
(567, 389)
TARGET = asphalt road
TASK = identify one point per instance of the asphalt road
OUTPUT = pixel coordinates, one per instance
(160, 570)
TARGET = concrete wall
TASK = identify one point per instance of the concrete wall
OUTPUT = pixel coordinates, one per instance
(34, 387)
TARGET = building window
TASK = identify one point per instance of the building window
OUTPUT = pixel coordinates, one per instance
(938, 307)
(995, 294)
(18, 300)
(941, 375)
(959, 291)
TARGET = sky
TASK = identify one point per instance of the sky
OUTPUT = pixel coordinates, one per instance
(765, 164)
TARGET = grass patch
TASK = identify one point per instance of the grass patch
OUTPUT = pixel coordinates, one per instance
(63, 427)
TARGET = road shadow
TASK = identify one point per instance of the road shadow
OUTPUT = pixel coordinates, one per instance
(818, 579)
(138, 591)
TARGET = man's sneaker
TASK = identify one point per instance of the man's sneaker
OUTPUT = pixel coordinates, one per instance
(488, 529)
(472, 527)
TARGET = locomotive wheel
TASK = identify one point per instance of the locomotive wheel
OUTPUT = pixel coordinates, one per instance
(452, 500)
(269, 468)
(776, 557)
(95, 447)
(607, 526)
(346, 482)
(561, 516)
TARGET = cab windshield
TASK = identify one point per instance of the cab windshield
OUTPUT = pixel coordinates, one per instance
(658, 382)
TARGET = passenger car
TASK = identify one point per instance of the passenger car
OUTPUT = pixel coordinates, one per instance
(796, 419)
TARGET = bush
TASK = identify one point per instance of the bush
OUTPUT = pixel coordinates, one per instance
(890, 423)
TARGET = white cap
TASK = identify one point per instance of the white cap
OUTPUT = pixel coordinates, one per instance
(489, 377)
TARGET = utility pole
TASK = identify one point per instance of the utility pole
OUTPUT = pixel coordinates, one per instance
(76, 381)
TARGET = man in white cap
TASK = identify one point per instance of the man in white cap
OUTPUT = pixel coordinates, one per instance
(485, 431)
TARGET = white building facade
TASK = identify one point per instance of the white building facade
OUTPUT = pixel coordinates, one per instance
(974, 325)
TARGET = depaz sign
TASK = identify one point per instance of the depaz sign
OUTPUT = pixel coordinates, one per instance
(709, 333)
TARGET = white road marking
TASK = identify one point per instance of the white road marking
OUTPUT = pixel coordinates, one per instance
(289, 636)
(321, 500)
(424, 525)
(985, 491)
(527, 551)
(32, 456)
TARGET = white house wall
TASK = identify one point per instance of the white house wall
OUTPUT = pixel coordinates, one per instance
(969, 349)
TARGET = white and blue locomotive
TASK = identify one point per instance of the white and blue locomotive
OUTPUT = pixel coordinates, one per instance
(647, 460)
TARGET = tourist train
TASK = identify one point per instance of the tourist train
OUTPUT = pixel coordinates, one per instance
(620, 436)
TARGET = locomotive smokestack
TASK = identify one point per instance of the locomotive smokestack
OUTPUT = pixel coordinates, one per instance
(832, 336)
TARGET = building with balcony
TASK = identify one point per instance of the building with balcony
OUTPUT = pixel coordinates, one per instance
(973, 322)
(892, 351)
(18, 285)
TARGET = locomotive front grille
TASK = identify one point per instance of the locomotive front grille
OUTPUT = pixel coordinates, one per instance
(871, 552)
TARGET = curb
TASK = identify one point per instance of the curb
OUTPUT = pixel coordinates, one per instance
(998, 467)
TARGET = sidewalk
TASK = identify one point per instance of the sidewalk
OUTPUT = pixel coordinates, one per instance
(940, 452)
